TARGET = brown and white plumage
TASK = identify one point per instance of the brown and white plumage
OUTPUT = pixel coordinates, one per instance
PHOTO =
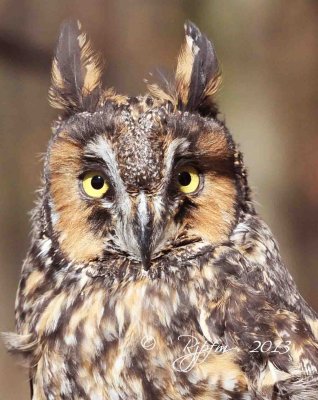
(149, 261)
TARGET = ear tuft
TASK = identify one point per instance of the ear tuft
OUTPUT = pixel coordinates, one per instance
(198, 74)
(76, 71)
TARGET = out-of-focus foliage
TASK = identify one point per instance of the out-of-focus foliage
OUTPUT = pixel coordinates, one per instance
(268, 53)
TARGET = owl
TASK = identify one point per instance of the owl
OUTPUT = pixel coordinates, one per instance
(150, 276)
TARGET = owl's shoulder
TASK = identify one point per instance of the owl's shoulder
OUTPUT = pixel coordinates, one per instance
(264, 267)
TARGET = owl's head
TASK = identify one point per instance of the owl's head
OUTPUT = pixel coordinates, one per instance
(138, 176)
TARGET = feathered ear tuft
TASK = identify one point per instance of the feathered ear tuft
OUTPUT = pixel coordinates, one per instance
(197, 76)
(76, 72)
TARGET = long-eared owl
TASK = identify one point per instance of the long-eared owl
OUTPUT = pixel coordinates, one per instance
(150, 275)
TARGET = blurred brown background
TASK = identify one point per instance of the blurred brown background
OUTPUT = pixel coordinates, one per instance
(268, 50)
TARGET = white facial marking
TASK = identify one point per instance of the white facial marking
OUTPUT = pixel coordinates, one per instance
(45, 246)
(143, 213)
(177, 144)
(54, 214)
(101, 147)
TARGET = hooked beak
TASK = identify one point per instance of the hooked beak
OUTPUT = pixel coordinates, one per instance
(144, 231)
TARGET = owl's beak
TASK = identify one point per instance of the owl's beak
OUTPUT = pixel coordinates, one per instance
(144, 230)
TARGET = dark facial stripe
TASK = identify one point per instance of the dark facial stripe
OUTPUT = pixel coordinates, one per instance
(100, 220)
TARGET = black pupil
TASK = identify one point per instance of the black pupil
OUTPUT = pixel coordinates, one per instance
(184, 178)
(97, 182)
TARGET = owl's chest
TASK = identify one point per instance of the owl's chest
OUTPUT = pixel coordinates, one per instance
(140, 341)
(140, 319)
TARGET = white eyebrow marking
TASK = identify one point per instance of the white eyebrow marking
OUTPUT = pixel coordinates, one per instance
(177, 144)
(101, 147)
(143, 213)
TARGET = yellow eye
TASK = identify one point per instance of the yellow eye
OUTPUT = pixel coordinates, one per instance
(94, 185)
(188, 179)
